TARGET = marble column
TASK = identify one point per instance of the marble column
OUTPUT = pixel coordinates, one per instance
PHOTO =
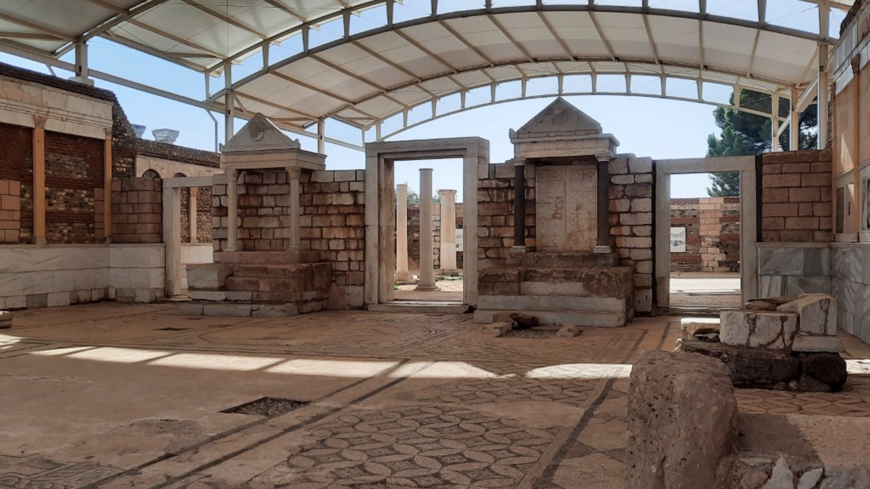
(232, 208)
(192, 213)
(519, 206)
(602, 244)
(448, 231)
(427, 271)
(403, 275)
(39, 205)
(293, 180)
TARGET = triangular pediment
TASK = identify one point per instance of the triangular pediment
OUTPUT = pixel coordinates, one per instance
(560, 118)
(260, 134)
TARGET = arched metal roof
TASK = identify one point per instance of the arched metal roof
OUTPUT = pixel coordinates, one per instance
(364, 62)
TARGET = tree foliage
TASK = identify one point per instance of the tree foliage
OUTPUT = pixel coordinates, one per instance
(744, 134)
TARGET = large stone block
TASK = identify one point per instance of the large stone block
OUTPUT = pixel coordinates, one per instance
(207, 276)
(775, 330)
(682, 423)
(817, 313)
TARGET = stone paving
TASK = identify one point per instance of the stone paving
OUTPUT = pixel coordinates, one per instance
(111, 395)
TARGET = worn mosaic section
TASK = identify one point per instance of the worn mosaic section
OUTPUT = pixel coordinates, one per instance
(631, 221)
(796, 197)
(566, 208)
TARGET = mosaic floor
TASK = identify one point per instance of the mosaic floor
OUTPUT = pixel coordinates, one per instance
(113, 395)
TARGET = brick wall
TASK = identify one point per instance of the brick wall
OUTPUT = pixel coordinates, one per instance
(332, 219)
(712, 234)
(10, 211)
(203, 215)
(137, 210)
(414, 235)
(796, 196)
(631, 220)
(495, 196)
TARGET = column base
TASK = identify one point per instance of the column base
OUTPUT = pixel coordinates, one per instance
(601, 249)
(452, 272)
(518, 249)
(39, 241)
(427, 288)
(404, 276)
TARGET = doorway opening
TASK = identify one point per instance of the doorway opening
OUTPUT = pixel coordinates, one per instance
(706, 256)
(705, 241)
(444, 234)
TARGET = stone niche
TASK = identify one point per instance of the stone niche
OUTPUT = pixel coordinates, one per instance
(571, 275)
(248, 279)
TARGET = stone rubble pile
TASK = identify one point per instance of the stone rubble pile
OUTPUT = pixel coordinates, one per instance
(781, 343)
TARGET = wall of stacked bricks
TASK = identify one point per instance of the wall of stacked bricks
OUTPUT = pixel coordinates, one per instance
(137, 210)
(631, 222)
(414, 235)
(10, 211)
(332, 218)
(495, 197)
(203, 215)
(796, 203)
(712, 234)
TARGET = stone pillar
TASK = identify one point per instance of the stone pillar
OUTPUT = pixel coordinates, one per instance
(107, 187)
(427, 272)
(192, 213)
(293, 180)
(519, 206)
(39, 181)
(232, 208)
(403, 275)
(602, 244)
(448, 231)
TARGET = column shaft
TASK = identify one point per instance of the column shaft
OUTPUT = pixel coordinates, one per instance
(520, 205)
(402, 272)
(192, 212)
(39, 182)
(232, 208)
(427, 272)
(107, 187)
(293, 179)
(448, 231)
(603, 205)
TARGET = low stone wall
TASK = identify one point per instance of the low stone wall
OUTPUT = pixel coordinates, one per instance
(137, 210)
(712, 234)
(850, 284)
(631, 222)
(791, 269)
(10, 211)
(34, 276)
(796, 196)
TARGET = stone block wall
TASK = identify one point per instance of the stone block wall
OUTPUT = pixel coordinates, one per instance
(850, 284)
(10, 211)
(791, 269)
(712, 234)
(631, 222)
(137, 210)
(332, 220)
(796, 204)
(35, 276)
(414, 235)
(495, 196)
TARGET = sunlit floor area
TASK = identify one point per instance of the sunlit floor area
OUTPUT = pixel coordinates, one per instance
(449, 290)
(705, 290)
(111, 395)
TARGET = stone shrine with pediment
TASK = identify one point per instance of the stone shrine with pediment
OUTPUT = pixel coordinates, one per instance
(571, 274)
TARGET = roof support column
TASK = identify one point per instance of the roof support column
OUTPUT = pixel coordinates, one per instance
(774, 123)
(229, 103)
(82, 70)
(822, 97)
(321, 140)
(794, 124)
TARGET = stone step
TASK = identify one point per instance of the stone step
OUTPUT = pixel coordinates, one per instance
(547, 259)
(522, 303)
(235, 309)
(412, 307)
(277, 271)
(596, 319)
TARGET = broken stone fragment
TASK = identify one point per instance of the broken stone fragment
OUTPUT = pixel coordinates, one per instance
(524, 321)
(497, 329)
(828, 368)
(817, 313)
(569, 331)
(772, 330)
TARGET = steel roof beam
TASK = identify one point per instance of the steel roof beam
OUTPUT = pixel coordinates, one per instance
(60, 36)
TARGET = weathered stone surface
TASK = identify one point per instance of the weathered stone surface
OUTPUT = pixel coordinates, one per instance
(207, 276)
(569, 331)
(810, 478)
(781, 477)
(775, 330)
(524, 321)
(497, 329)
(750, 367)
(829, 344)
(682, 423)
(817, 312)
(829, 368)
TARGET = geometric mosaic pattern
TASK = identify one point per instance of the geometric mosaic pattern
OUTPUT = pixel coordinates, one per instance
(568, 391)
(566, 207)
(419, 446)
(35, 472)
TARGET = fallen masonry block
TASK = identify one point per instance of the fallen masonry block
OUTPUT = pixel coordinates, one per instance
(682, 423)
(497, 329)
(569, 331)
(524, 321)
(5, 319)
